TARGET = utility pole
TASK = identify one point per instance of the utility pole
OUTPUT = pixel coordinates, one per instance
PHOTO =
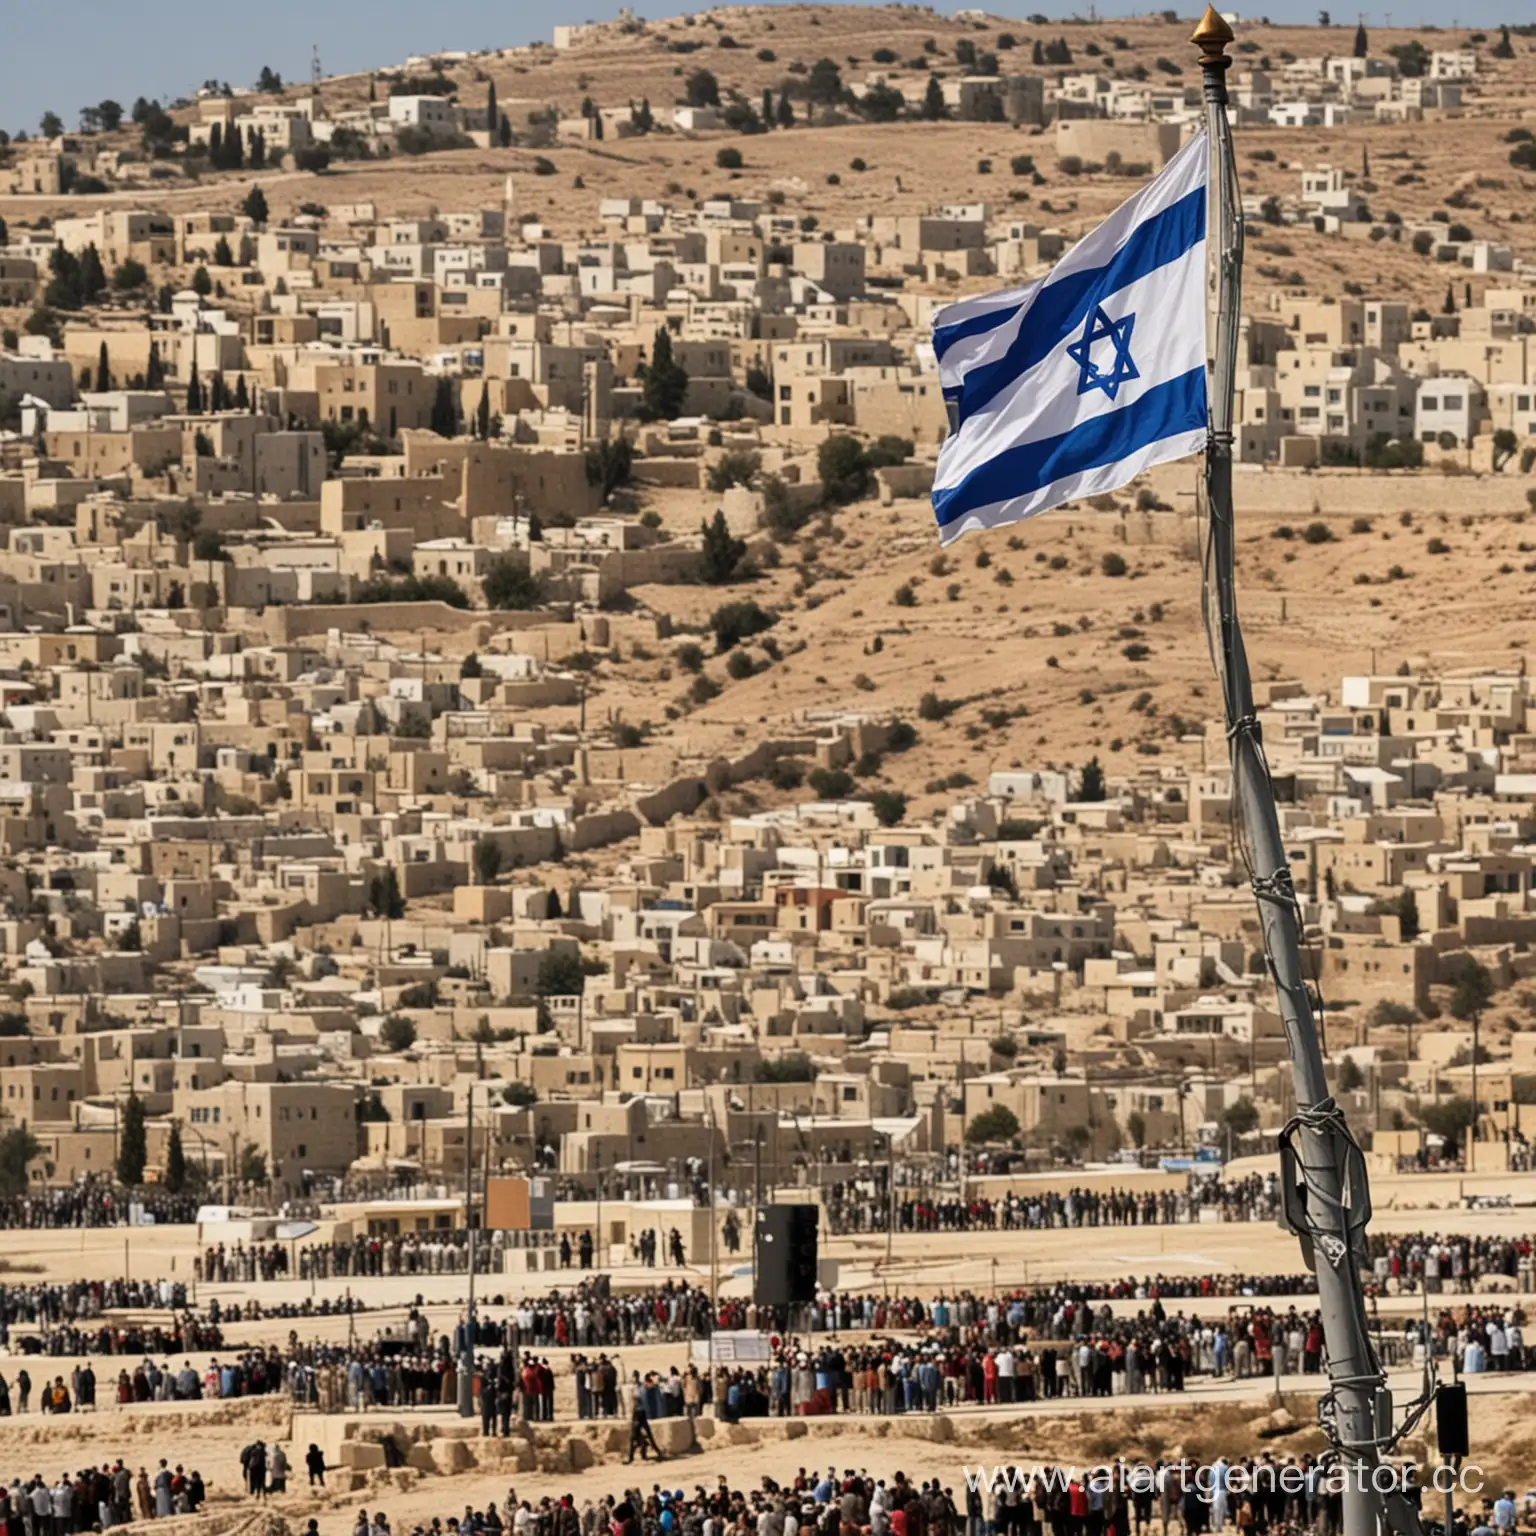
(1477, 1018)
(1329, 1205)
(714, 1224)
(467, 1345)
(890, 1197)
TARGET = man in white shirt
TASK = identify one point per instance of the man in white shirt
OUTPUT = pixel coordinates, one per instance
(1006, 1367)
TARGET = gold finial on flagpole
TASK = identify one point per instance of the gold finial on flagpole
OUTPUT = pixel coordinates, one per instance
(1213, 34)
(1211, 37)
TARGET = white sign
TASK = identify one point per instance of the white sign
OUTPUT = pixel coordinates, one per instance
(733, 1347)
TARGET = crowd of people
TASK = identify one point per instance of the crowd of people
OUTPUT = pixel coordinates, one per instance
(1453, 1263)
(1056, 1343)
(851, 1208)
(1256, 1495)
(95, 1203)
(96, 1499)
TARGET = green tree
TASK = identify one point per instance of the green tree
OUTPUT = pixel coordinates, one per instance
(1404, 908)
(735, 622)
(1450, 1118)
(445, 416)
(1091, 785)
(1241, 1117)
(129, 275)
(255, 207)
(175, 1161)
(483, 413)
(397, 1033)
(132, 1143)
(384, 894)
(253, 1165)
(610, 464)
(487, 861)
(223, 256)
(1350, 1076)
(722, 552)
(50, 125)
(103, 368)
(665, 386)
(824, 84)
(93, 276)
(18, 1146)
(1472, 991)
(202, 284)
(843, 468)
(993, 1125)
(702, 89)
(560, 974)
(889, 806)
(509, 584)
(934, 105)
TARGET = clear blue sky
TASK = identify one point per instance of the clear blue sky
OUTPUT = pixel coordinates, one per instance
(61, 57)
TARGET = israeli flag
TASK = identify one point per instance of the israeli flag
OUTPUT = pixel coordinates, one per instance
(1075, 384)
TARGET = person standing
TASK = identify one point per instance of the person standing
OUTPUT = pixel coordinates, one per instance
(256, 1470)
(314, 1464)
(163, 1502)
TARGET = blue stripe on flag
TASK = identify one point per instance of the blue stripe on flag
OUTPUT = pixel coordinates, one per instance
(1059, 308)
(1179, 405)
(945, 336)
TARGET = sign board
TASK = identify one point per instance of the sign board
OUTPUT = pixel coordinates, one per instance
(733, 1347)
(519, 1205)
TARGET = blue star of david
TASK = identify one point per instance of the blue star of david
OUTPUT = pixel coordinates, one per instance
(1100, 327)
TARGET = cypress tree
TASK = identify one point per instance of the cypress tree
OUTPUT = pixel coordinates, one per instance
(103, 369)
(175, 1161)
(132, 1143)
(1362, 44)
(492, 112)
(194, 392)
(933, 100)
(767, 109)
(666, 381)
(93, 276)
(784, 113)
(216, 146)
(483, 413)
(154, 370)
(242, 395)
(445, 418)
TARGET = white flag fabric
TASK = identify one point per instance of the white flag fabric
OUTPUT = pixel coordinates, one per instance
(1073, 385)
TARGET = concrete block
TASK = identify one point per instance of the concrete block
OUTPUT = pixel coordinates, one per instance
(362, 1455)
(451, 1456)
(674, 1437)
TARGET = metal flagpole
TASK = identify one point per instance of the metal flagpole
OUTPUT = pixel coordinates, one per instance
(1327, 1199)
